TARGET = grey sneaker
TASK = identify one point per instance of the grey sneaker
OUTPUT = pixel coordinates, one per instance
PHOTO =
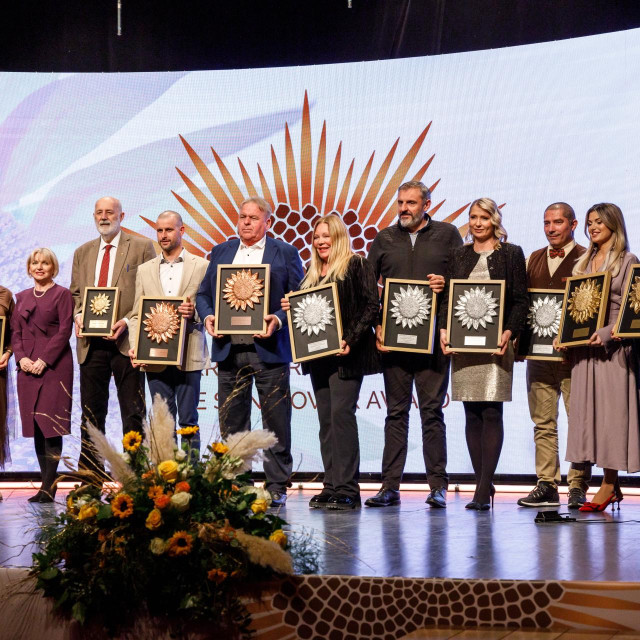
(577, 497)
(544, 495)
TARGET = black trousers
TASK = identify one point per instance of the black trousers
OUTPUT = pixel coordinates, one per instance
(103, 361)
(336, 401)
(431, 376)
(236, 376)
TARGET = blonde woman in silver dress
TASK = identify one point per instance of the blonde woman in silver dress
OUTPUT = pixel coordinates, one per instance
(482, 381)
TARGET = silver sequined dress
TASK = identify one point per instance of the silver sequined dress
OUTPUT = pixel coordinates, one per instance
(482, 377)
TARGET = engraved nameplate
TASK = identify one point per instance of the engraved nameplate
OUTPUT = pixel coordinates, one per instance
(240, 321)
(403, 338)
(581, 333)
(542, 349)
(475, 341)
(317, 346)
(158, 353)
(98, 324)
(635, 324)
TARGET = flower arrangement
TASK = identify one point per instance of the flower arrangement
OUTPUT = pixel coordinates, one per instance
(172, 535)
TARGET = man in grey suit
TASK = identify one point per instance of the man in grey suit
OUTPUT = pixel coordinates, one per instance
(175, 273)
(111, 260)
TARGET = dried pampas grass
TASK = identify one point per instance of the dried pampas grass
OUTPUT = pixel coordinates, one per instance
(248, 446)
(159, 432)
(120, 471)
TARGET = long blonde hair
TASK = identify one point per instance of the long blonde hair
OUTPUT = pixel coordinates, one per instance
(612, 217)
(489, 206)
(339, 256)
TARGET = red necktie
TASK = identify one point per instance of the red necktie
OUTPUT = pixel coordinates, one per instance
(104, 267)
(556, 253)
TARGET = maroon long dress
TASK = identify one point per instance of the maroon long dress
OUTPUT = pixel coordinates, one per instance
(41, 328)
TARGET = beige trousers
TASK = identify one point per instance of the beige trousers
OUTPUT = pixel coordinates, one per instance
(546, 380)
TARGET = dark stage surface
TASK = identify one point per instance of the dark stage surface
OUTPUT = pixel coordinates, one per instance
(414, 540)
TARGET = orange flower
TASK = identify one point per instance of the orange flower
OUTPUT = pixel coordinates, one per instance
(162, 501)
(148, 474)
(183, 486)
(154, 520)
(217, 576)
(155, 491)
(122, 506)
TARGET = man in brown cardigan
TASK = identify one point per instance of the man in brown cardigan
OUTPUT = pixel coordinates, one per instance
(110, 260)
(549, 268)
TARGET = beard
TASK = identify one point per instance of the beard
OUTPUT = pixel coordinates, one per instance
(106, 228)
(413, 222)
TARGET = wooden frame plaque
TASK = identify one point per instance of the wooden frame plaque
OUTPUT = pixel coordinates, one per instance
(583, 308)
(474, 320)
(408, 315)
(543, 321)
(161, 331)
(242, 299)
(315, 324)
(628, 322)
(99, 311)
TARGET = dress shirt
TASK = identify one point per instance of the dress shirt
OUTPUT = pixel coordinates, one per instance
(554, 263)
(112, 258)
(252, 254)
(171, 274)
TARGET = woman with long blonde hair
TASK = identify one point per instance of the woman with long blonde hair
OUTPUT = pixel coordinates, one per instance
(337, 379)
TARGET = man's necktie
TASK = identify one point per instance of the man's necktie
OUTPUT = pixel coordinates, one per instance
(556, 253)
(104, 267)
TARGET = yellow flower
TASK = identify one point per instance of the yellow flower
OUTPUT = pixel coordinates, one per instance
(168, 470)
(187, 432)
(122, 506)
(132, 441)
(280, 537)
(71, 507)
(179, 544)
(87, 511)
(259, 506)
(220, 448)
(154, 520)
(217, 576)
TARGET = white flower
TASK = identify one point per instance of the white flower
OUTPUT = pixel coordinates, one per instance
(180, 501)
(180, 455)
(157, 546)
(261, 494)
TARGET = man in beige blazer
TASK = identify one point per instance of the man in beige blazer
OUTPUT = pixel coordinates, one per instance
(111, 260)
(175, 272)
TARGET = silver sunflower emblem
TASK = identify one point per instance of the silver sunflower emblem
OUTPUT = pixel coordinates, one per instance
(411, 306)
(544, 316)
(475, 308)
(313, 314)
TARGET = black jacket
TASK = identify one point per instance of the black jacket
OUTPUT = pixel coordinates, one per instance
(506, 263)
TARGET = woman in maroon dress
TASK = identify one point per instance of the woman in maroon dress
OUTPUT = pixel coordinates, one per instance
(41, 327)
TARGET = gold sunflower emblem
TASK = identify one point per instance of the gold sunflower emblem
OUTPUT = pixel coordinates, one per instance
(634, 295)
(243, 289)
(100, 304)
(585, 301)
(162, 322)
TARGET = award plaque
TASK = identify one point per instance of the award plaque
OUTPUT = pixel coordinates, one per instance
(242, 299)
(161, 331)
(474, 321)
(99, 311)
(583, 308)
(315, 326)
(408, 315)
(628, 322)
(543, 321)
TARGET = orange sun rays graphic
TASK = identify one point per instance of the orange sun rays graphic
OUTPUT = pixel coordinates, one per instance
(299, 195)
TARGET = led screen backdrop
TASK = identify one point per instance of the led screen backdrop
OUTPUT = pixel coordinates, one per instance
(526, 126)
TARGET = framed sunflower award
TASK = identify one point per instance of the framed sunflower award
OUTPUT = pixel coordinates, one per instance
(543, 322)
(161, 331)
(408, 315)
(315, 326)
(474, 321)
(99, 311)
(242, 299)
(628, 322)
(583, 308)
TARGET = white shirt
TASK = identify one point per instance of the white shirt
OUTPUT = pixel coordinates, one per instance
(554, 263)
(112, 258)
(171, 274)
(252, 254)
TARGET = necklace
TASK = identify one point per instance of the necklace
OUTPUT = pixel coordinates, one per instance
(43, 292)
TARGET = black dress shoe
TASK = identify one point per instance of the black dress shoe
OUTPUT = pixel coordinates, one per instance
(320, 500)
(278, 498)
(437, 498)
(384, 498)
(341, 502)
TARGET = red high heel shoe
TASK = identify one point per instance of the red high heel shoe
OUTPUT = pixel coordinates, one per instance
(616, 497)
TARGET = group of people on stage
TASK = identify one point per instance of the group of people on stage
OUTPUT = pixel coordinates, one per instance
(603, 408)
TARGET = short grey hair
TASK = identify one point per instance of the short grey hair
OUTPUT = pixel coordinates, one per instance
(261, 203)
(425, 192)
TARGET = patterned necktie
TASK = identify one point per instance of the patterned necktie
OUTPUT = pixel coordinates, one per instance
(104, 267)
(556, 253)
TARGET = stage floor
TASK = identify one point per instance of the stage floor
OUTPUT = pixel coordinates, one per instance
(414, 540)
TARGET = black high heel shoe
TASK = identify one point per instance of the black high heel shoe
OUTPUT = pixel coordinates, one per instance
(482, 506)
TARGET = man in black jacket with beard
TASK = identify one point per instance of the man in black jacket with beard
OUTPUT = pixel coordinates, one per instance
(415, 248)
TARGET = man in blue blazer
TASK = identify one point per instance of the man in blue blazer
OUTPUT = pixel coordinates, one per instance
(263, 358)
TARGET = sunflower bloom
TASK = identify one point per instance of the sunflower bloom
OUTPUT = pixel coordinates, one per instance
(219, 448)
(187, 432)
(122, 506)
(217, 576)
(155, 491)
(180, 544)
(132, 441)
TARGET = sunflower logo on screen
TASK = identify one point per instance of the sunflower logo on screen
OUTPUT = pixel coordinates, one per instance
(585, 301)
